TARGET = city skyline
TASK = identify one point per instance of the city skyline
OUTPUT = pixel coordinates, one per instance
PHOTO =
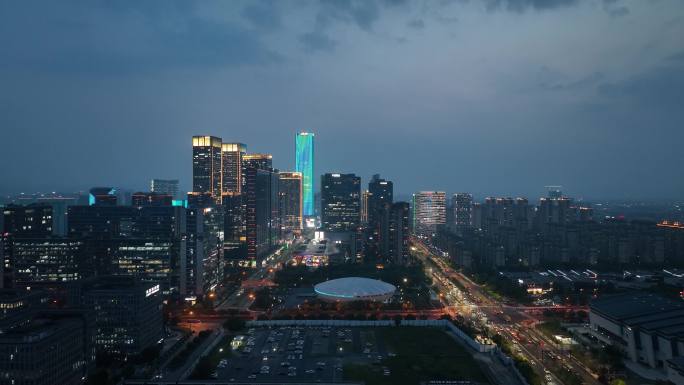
(342, 191)
(468, 88)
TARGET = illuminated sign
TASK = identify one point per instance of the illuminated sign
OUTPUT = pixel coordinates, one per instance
(152, 290)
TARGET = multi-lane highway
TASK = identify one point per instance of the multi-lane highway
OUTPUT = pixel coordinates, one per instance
(464, 297)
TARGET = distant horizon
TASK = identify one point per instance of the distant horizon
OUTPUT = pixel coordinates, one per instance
(399, 196)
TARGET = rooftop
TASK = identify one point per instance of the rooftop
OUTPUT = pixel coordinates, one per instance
(636, 308)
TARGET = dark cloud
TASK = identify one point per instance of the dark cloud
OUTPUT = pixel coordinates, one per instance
(614, 8)
(264, 14)
(661, 88)
(317, 41)
(361, 12)
(416, 24)
(109, 92)
(122, 37)
(572, 84)
(523, 5)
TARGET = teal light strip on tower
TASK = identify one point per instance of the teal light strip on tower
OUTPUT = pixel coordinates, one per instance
(304, 155)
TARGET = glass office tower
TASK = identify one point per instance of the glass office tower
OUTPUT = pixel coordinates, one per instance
(304, 163)
(206, 166)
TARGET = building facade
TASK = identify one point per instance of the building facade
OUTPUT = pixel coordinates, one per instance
(462, 204)
(231, 161)
(290, 202)
(429, 211)
(340, 202)
(206, 166)
(165, 186)
(304, 164)
(128, 314)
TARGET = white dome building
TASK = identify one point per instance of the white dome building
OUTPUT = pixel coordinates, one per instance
(354, 289)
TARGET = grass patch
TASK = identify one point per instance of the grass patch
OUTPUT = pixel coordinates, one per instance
(422, 354)
(552, 328)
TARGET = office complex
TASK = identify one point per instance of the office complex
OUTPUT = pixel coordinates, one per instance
(257, 161)
(165, 186)
(45, 351)
(128, 315)
(45, 259)
(234, 229)
(290, 201)
(206, 166)
(340, 202)
(429, 211)
(34, 220)
(231, 163)
(304, 164)
(261, 205)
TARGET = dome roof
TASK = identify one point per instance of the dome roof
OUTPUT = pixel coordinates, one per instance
(354, 288)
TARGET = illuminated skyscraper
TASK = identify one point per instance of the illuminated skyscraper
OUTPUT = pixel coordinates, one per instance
(429, 211)
(340, 202)
(231, 166)
(258, 161)
(290, 197)
(206, 166)
(304, 163)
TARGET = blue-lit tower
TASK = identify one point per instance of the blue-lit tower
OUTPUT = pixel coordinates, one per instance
(304, 163)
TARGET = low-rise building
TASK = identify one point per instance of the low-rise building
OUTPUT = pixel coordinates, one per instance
(647, 327)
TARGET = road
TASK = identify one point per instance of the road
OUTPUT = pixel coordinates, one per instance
(511, 321)
(242, 298)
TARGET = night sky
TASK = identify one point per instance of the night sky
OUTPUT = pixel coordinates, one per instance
(493, 97)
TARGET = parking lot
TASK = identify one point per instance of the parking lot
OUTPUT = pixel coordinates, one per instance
(297, 354)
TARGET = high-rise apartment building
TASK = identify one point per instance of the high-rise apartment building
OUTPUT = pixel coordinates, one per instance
(380, 191)
(429, 211)
(290, 201)
(231, 163)
(340, 202)
(206, 165)
(304, 163)
(393, 232)
(165, 186)
(462, 205)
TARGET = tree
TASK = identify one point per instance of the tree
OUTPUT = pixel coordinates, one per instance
(203, 370)
(234, 324)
